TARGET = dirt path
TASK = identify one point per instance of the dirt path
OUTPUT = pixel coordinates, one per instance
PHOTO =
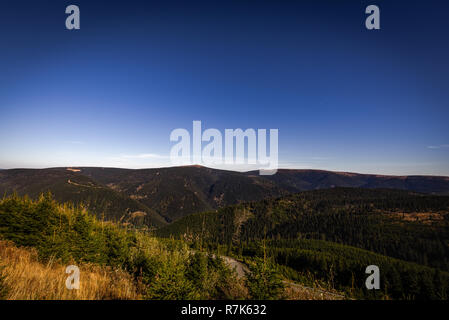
(240, 268)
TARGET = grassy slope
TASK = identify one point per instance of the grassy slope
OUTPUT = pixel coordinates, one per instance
(68, 235)
(28, 278)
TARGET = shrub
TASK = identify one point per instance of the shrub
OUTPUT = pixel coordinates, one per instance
(171, 283)
(263, 281)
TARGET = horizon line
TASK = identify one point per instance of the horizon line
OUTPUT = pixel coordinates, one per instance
(223, 169)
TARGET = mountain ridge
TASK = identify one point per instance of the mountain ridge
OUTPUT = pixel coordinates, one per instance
(158, 196)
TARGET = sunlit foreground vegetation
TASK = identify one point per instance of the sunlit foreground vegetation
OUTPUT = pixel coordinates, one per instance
(25, 277)
(40, 238)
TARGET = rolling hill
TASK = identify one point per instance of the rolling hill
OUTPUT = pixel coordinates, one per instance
(400, 224)
(159, 196)
(332, 235)
(302, 180)
(70, 186)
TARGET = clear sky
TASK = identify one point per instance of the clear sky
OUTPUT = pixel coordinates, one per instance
(343, 98)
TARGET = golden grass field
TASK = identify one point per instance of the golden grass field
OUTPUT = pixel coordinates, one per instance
(26, 278)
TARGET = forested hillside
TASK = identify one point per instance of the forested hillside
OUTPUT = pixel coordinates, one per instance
(387, 224)
(343, 267)
(68, 185)
(399, 224)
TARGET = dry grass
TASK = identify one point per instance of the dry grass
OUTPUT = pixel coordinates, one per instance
(28, 279)
(298, 292)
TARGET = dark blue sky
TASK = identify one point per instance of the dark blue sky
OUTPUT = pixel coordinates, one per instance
(342, 97)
